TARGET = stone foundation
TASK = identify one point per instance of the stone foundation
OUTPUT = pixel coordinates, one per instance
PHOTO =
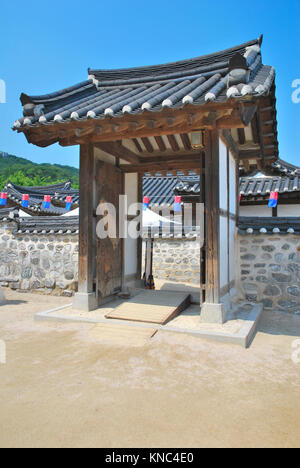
(270, 271)
(43, 262)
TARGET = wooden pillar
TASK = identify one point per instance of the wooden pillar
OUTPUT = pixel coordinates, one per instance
(212, 217)
(212, 310)
(140, 239)
(203, 248)
(85, 299)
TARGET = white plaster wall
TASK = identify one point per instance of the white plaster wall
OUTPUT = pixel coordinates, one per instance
(232, 185)
(131, 188)
(232, 250)
(130, 252)
(223, 174)
(288, 210)
(259, 210)
(223, 252)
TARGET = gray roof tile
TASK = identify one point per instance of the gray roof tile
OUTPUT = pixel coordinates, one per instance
(135, 90)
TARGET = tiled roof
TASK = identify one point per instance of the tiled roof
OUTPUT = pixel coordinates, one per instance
(188, 186)
(7, 214)
(161, 190)
(48, 225)
(266, 226)
(109, 93)
(58, 193)
(284, 168)
(261, 186)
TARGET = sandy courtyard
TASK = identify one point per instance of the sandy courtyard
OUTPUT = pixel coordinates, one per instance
(62, 387)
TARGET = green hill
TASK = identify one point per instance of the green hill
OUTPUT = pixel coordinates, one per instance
(27, 173)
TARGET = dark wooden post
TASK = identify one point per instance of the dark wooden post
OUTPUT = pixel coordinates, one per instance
(212, 310)
(86, 298)
(212, 216)
(139, 240)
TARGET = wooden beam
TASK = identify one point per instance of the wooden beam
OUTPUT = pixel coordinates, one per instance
(247, 114)
(115, 148)
(169, 122)
(254, 127)
(246, 165)
(164, 165)
(250, 154)
(168, 156)
(86, 221)
(241, 136)
(173, 142)
(228, 140)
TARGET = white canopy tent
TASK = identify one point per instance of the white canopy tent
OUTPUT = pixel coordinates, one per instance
(72, 213)
(150, 218)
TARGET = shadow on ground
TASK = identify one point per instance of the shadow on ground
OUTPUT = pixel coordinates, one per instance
(279, 323)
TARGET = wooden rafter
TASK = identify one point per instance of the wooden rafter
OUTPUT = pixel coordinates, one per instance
(185, 141)
(173, 142)
(147, 144)
(167, 122)
(160, 143)
(227, 137)
(137, 145)
(254, 127)
(241, 136)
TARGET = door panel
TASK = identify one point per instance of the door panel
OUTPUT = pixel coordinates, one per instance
(109, 251)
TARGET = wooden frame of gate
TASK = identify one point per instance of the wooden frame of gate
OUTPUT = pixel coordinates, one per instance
(203, 161)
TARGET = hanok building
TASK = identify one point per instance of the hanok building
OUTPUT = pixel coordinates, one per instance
(282, 178)
(179, 116)
(57, 192)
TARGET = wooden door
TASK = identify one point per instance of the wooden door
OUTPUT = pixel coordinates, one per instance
(109, 185)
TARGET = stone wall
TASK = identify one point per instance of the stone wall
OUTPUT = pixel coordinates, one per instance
(268, 265)
(270, 270)
(42, 262)
(176, 260)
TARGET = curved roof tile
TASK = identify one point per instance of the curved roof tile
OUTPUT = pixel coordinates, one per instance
(136, 90)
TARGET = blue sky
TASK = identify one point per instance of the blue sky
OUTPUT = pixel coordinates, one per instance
(46, 46)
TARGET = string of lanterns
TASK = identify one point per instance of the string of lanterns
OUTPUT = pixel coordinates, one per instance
(272, 202)
(25, 201)
(177, 203)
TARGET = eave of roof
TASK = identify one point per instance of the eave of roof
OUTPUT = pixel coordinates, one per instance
(115, 93)
(58, 193)
(263, 186)
(267, 226)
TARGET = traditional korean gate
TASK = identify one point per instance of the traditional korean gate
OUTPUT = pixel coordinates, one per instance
(109, 181)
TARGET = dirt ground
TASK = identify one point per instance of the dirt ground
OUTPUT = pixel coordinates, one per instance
(62, 388)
